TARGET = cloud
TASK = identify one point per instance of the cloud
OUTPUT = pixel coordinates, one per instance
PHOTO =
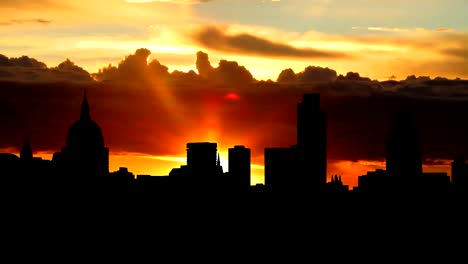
(353, 76)
(23, 61)
(214, 38)
(23, 21)
(287, 76)
(26, 69)
(228, 73)
(135, 68)
(461, 53)
(308, 75)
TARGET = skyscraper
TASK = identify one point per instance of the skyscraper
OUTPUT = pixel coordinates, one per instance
(239, 167)
(403, 158)
(311, 142)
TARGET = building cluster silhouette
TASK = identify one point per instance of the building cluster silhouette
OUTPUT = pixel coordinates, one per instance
(81, 167)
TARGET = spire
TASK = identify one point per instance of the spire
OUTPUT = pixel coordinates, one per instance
(218, 162)
(85, 108)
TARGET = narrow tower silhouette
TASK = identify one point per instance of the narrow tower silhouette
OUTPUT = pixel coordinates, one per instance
(311, 142)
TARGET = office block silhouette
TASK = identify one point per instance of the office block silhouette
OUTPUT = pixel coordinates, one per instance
(239, 167)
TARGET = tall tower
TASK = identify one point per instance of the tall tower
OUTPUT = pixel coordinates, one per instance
(311, 142)
(239, 167)
(403, 157)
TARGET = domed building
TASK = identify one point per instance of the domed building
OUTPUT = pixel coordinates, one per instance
(85, 154)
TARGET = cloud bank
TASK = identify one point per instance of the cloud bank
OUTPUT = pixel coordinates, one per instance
(26, 69)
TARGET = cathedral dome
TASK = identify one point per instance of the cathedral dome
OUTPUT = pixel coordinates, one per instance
(85, 134)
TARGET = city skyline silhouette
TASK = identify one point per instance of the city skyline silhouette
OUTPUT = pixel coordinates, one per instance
(224, 114)
(163, 74)
(341, 123)
(82, 166)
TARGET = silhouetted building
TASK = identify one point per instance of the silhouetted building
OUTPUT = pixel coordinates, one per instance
(434, 183)
(460, 175)
(9, 164)
(335, 185)
(26, 152)
(85, 154)
(374, 182)
(203, 172)
(301, 168)
(148, 185)
(280, 170)
(403, 160)
(202, 156)
(239, 167)
(311, 143)
(33, 174)
(120, 182)
(258, 188)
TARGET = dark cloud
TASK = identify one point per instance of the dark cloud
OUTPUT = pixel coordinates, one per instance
(228, 73)
(287, 76)
(203, 64)
(308, 75)
(461, 53)
(135, 68)
(29, 69)
(352, 76)
(23, 61)
(23, 21)
(316, 74)
(214, 38)
(413, 78)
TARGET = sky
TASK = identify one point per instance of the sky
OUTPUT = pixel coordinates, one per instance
(141, 62)
(379, 39)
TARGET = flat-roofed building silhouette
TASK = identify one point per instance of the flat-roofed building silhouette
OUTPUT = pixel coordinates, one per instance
(239, 167)
(311, 142)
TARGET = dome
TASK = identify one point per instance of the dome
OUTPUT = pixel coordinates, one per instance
(85, 134)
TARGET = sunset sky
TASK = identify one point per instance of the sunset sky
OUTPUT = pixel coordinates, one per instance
(381, 40)
(375, 38)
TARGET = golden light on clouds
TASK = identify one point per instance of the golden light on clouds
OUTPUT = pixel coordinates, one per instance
(404, 52)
